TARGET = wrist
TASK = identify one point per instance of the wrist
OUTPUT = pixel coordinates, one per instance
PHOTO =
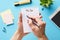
(43, 37)
(16, 36)
(20, 33)
(20, 36)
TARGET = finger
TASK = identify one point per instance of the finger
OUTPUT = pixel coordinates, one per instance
(32, 18)
(20, 25)
(30, 22)
(20, 20)
(32, 26)
(20, 17)
(36, 18)
(40, 16)
(42, 24)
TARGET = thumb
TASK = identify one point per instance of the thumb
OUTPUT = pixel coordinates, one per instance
(20, 17)
(30, 22)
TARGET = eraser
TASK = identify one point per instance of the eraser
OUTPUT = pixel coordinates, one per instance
(7, 17)
(22, 2)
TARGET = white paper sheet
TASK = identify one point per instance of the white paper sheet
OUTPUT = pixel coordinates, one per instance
(7, 17)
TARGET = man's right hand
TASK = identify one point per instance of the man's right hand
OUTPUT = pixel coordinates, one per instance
(38, 31)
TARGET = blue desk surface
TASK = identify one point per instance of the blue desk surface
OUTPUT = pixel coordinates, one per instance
(52, 32)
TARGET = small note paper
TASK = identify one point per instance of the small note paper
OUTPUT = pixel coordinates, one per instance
(7, 17)
(28, 12)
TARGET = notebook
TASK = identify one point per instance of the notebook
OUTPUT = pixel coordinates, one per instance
(7, 17)
(28, 12)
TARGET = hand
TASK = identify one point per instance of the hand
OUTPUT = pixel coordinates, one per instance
(19, 33)
(38, 31)
(20, 26)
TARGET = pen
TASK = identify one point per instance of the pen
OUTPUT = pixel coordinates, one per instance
(34, 21)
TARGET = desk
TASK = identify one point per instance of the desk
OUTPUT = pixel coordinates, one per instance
(52, 32)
